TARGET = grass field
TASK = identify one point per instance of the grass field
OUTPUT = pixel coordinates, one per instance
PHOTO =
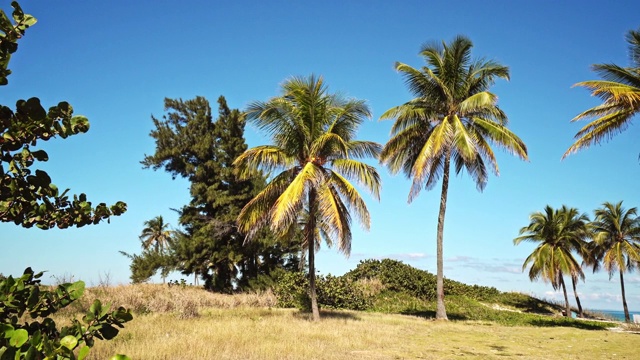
(189, 323)
(262, 333)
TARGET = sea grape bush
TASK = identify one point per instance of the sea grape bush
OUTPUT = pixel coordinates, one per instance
(28, 332)
(28, 197)
(399, 277)
(335, 292)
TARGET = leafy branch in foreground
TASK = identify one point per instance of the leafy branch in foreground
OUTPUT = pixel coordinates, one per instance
(23, 297)
(29, 198)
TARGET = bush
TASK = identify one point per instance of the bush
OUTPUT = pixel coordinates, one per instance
(22, 299)
(399, 277)
(339, 292)
(336, 292)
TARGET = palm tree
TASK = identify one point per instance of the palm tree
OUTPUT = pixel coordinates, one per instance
(452, 118)
(559, 233)
(617, 242)
(620, 93)
(155, 234)
(312, 160)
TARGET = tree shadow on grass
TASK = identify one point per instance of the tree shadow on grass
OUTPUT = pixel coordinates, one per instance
(578, 324)
(328, 314)
(430, 314)
(534, 307)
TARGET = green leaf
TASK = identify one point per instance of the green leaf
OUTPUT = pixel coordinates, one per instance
(76, 290)
(18, 338)
(96, 307)
(108, 331)
(84, 351)
(69, 341)
(119, 357)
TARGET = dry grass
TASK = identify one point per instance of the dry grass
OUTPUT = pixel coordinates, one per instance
(186, 301)
(188, 323)
(259, 333)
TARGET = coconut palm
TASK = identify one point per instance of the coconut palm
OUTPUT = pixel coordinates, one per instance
(559, 233)
(312, 159)
(620, 93)
(156, 234)
(453, 118)
(617, 243)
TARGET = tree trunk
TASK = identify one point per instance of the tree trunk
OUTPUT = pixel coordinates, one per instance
(441, 312)
(627, 317)
(567, 307)
(575, 292)
(309, 233)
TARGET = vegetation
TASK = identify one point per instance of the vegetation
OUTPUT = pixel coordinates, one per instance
(186, 321)
(29, 198)
(313, 156)
(617, 242)
(191, 144)
(560, 233)
(455, 117)
(620, 92)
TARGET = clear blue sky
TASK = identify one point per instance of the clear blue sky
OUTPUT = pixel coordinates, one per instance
(115, 62)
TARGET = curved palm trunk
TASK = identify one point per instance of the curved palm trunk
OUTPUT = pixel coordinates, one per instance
(575, 292)
(567, 307)
(309, 237)
(627, 317)
(441, 312)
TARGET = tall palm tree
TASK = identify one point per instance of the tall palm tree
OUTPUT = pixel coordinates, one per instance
(559, 233)
(156, 234)
(453, 117)
(617, 242)
(620, 93)
(312, 159)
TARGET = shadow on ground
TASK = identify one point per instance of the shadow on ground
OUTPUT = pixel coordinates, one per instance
(328, 314)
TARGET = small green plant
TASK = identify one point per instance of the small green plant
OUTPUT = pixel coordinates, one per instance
(182, 283)
(28, 332)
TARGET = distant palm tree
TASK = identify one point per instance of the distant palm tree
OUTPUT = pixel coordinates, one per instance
(313, 156)
(155, 234)
(559, 233)
(617, 243)
(452, 118)
(620, 92)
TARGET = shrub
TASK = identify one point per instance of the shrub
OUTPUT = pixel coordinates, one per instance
(22, 299)
(336, 292)
(399, 277)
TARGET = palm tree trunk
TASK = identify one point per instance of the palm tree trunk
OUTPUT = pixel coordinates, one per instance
(441, 312)
(575, 292)
(309, 233)
(567, 307)
(627, 317)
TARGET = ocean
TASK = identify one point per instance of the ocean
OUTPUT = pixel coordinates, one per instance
(617, 314)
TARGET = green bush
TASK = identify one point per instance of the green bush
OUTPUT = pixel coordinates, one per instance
(399, 277)
(339, 292)
(28, 332)
(335, 292)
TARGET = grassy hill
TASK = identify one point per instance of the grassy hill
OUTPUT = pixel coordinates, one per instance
(185, 322)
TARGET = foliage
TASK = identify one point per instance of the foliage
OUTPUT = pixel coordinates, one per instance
(191, 144)
(312, 160)
(620, 92)
(559, 233)
(399, 277)
(453, 120)
(334, 292)
(23, 296)
(616, 245)
(29, 198)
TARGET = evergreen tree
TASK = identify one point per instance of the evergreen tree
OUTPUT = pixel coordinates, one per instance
(192, 145)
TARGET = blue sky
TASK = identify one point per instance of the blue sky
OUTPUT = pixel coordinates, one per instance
(116, 61)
